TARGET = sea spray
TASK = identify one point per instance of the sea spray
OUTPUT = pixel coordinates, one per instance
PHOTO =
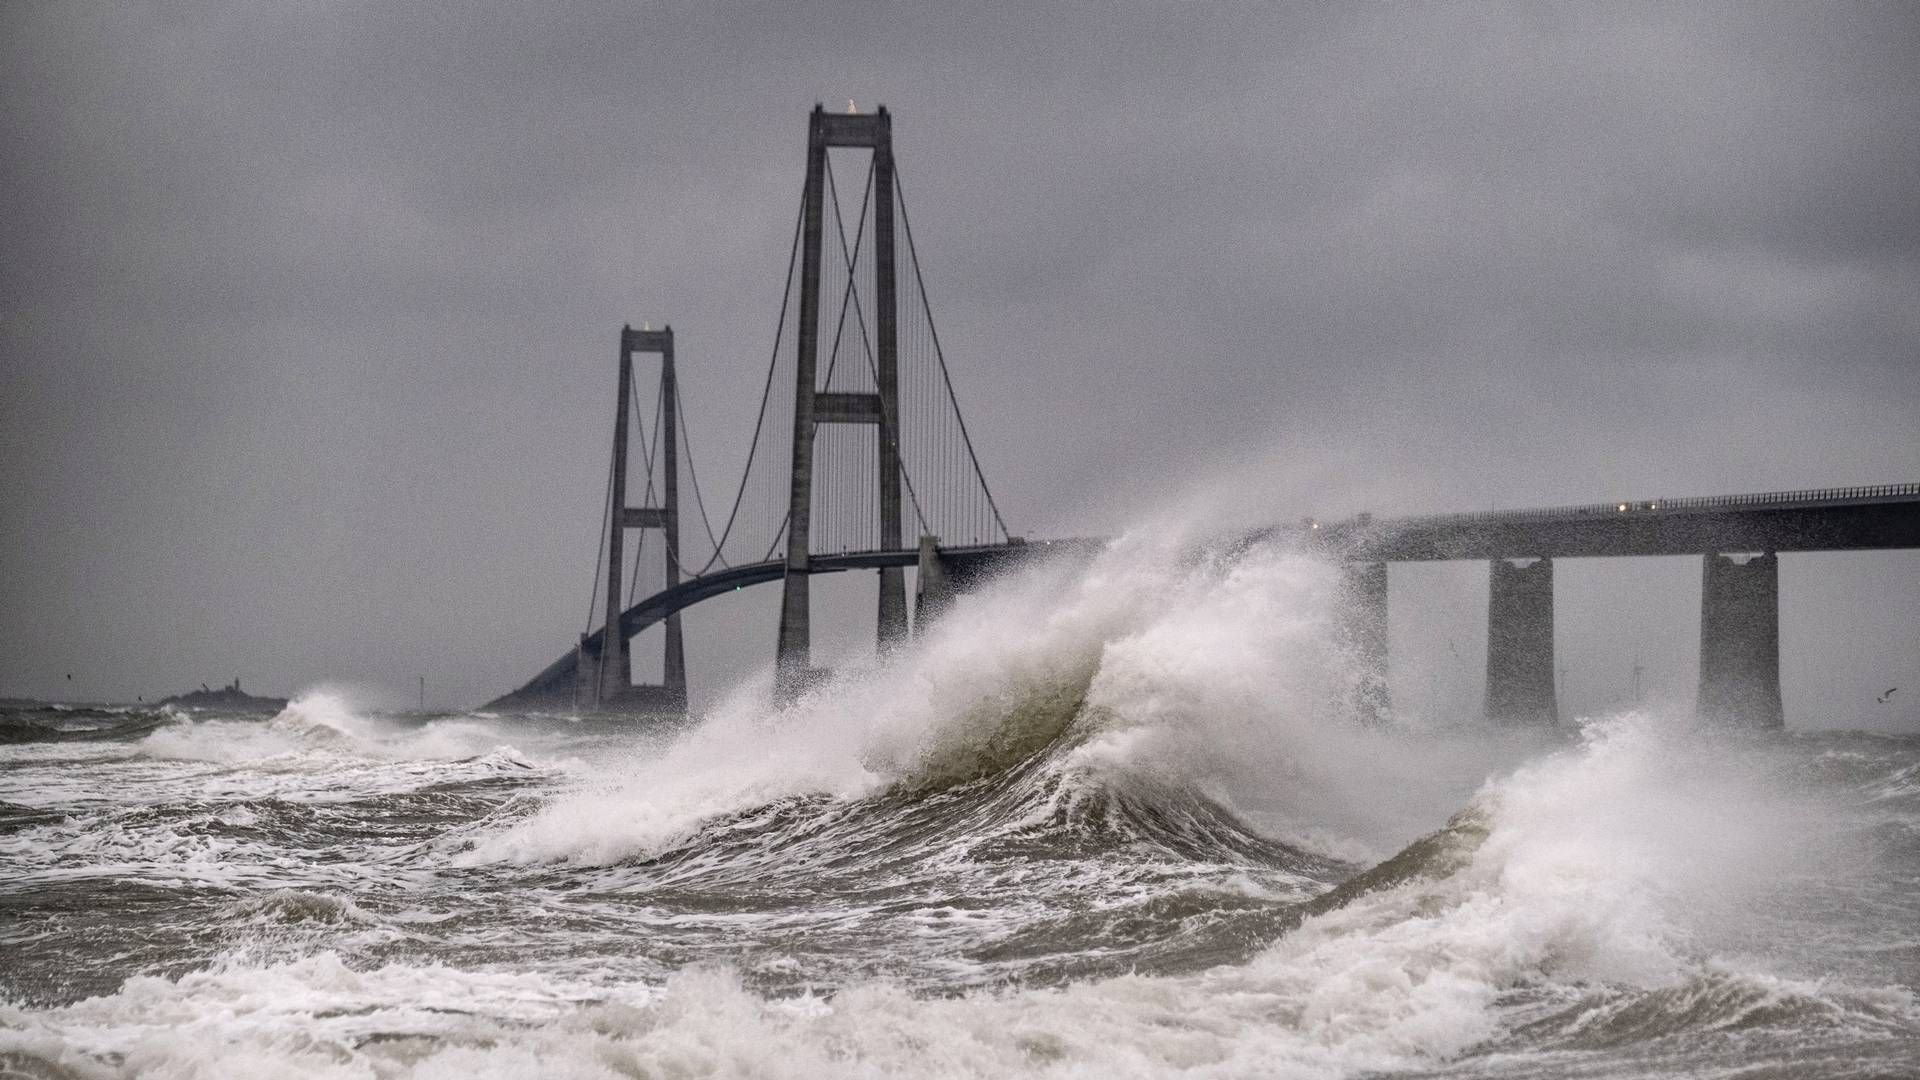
(1498, 937)
(1107, 821)
(1150, 637)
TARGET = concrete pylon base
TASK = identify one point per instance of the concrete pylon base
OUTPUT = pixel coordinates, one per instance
(1740, 641)
(1364, 628)
(1520, 691)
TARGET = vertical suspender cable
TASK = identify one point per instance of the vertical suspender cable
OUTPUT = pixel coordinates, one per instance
(939, 354)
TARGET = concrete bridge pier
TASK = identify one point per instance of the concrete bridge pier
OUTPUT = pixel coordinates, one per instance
(1520, 689)
(1740, 641)
(586, 673)
(933, 588)
(1364, 629)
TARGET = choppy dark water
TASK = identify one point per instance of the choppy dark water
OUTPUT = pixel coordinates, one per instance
(1074, 834)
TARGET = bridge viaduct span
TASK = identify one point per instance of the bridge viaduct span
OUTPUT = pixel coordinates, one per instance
(860, 436)
(1738, 537)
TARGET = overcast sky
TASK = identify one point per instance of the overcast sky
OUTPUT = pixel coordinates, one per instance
(308, 310)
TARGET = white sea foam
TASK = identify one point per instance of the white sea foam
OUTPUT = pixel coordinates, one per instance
(1586, 883)
(1220, 671)
(316, 721)
(323, 729)
(1623, 882)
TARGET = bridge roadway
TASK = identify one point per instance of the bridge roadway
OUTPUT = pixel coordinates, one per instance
(1879, 517)
(1739, 539)
(555, 684)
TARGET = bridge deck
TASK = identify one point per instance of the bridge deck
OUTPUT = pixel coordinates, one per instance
(554, 685)
(1879, 517)
(1837, 519)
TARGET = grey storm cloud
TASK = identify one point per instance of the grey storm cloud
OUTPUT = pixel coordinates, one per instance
(309, 309)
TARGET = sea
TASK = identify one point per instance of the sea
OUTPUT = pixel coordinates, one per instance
(1108, 819)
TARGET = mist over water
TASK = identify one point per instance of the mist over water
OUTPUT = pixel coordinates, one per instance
(1104, 819)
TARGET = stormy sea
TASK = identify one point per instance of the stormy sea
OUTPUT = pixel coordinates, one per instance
(1102, 820)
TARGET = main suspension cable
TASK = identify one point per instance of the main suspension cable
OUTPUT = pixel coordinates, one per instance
(686, 443)
(786, 296)
(600, 546)
(647, 451)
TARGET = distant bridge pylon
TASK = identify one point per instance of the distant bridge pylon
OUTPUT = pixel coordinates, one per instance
(607, 683)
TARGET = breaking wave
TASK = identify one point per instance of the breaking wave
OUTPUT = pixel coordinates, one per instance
(1151, 666)
(1103, 820)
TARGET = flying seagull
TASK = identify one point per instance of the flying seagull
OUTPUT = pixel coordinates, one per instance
(1882, 699)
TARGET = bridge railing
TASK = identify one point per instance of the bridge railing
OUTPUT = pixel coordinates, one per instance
(1808, 496)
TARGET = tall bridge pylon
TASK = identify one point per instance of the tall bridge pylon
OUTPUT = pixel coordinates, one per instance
(877, 431)
(878, 408)
(607, 683)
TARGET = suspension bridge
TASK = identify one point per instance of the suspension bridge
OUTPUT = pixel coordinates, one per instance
(860, 437)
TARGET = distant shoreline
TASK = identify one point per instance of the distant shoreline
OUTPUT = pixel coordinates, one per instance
(229, 697)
